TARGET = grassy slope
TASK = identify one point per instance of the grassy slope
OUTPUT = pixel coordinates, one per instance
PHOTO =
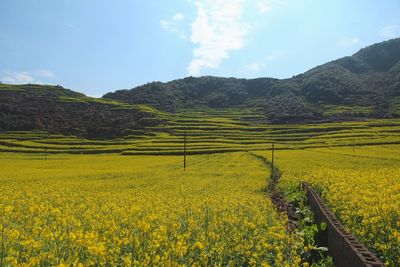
(59, 110)
(211, 131)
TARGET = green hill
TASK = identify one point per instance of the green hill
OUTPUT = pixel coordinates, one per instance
(364, 85)
(59, 110)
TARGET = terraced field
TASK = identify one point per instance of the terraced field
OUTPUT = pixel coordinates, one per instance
(333, 157)
(211, 131)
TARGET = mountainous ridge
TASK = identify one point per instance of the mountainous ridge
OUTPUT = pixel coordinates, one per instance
(364, 85)
(366, 79)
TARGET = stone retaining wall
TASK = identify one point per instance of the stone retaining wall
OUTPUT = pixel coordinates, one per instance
(345, 249)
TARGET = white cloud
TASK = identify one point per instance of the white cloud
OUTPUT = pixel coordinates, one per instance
(347, 41)
(264, 6)
(274, 55)
(254, 67)
(45, 73)
(390, 31)
(217, 30)
(178, 17)
(167, 25)
(72, 27)
(173, 25)
(25, 77)
(94, 95)
(17, 78)
(263, 63)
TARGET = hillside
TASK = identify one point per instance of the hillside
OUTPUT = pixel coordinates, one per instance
(59, 110)
(364, 85)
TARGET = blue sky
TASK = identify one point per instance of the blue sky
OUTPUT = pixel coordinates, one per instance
(97, 46)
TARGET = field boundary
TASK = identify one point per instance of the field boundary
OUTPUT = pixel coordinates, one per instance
(343, 247)
(277, 198)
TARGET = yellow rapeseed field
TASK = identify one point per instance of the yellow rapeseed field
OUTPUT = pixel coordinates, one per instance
(368, 203)
(132, 210)
(362, 188)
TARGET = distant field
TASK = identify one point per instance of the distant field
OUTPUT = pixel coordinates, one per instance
(211, 131)
(121, 201)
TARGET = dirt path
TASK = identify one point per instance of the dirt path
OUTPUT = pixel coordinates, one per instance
(278, 199)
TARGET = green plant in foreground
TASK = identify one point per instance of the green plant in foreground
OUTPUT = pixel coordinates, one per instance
(314, 253)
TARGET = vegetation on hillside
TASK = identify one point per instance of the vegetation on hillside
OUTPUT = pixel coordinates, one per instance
(370, 78)
(58, 110)
(211, 131)
(365, 85)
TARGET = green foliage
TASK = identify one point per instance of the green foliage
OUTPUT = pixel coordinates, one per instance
(288, 107)
(363, 86)
(330, 84)
(59, 110)
(365, 80)
(309, 231)
(381, 56)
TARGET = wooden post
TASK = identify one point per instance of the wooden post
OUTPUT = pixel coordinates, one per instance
(184, 153)
(2, 245)
(272, 161)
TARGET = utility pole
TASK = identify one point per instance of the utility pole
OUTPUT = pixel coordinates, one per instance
(2, 245)
(184, 153)
(272, 161)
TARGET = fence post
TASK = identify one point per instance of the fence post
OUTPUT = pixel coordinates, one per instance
(354, 145)
(45, 153)
(184, 153)
(2, 245)
(272, 161)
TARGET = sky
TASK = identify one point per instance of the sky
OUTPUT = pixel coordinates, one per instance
(98, 46)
